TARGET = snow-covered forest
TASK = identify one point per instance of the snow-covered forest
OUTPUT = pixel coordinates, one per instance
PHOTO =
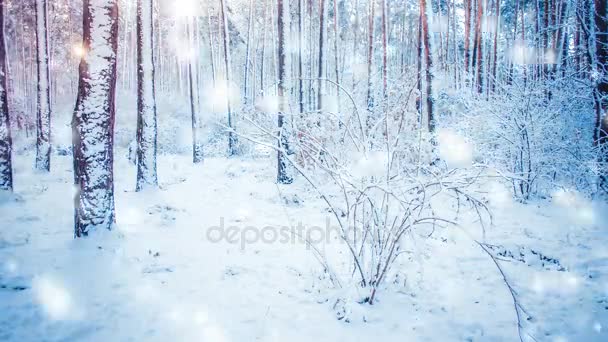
(297, 170)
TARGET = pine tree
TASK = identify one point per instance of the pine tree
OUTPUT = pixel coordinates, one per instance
(93, 120)
(146, 99)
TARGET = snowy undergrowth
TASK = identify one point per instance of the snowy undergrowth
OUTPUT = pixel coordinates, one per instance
(158, 276)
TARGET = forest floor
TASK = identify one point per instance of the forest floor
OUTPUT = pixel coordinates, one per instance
(159, 276)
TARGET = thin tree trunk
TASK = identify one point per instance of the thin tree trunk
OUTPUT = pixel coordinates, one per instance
(146, 98)
(43, 109)
(232, 140)
(247, 55)
(601, 46)
(321, 73)
(478, 50)
(300, 57)
(428, 56)
(94, 117)
(370, 60)
(495, 52)
(6, 166)
(384, 56)
(467, 34)
(337, 52)
(197, 144)
(283, 176)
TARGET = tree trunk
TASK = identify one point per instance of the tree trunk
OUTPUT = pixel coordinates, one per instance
(43, 109)
(93, 121)
(146, 99)
(478, 48)
(601, 46)
(384, 56)
(197, 144)
(370, 60)
(301, 56)
(232, 140)
(495, 52)
(283, 176)
(428, 57)
(247, 55)
(467, 35)
(6, 168)
(337, 52)
(320, 93)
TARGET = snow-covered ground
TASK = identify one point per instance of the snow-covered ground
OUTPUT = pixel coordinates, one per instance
(162, 275)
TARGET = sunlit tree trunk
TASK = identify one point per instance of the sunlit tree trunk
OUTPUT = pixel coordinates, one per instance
(94, 117)
(6, 168)
(146, 98)
(43, 108)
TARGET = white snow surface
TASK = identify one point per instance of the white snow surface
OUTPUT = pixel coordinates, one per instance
(158, 276)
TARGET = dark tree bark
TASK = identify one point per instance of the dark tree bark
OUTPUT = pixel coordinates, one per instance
(43, 108)
(428, 59)
(146, 99)
(495, 52)
(6, 168)
(467, 35)
(283, 176)
(478, 47)
(94, 117)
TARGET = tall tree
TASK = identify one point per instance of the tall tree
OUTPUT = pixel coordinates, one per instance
(467, 34)
(428, 59)
(478, 47)
(248, 54)
(370, 61)
(94, 117)
(321, 59)
(146, 98)
(6, 168)
(232, 140)
(601, 88)
(283, 176)
(197, 144)
(601, 93)
(43, 109)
